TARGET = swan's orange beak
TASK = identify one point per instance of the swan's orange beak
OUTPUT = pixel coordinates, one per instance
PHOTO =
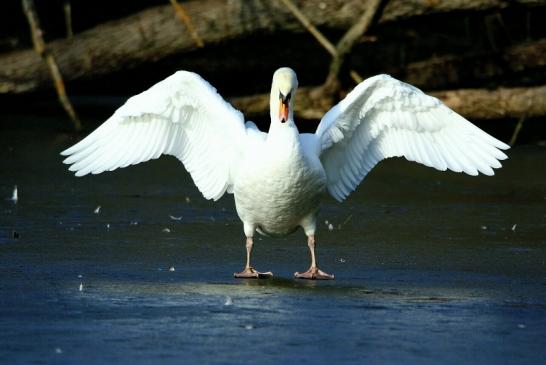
(283, 110)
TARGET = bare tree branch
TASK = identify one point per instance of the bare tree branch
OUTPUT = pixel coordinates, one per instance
(186, 20)
(39, 46)
(324, 42)
(347, 42)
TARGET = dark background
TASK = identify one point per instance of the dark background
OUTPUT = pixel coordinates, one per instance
(255, 57)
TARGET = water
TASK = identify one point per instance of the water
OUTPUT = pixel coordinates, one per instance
(430, 267)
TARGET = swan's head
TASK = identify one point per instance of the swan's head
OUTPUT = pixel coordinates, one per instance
(283, 90)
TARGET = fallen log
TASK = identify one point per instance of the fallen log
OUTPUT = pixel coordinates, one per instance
(499, 103)
(156, 33)
(444, 71)
(517, 102)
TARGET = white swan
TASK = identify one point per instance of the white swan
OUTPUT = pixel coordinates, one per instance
(278, 178)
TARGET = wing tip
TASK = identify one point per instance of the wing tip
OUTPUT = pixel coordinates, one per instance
(503, 146)
(488, 172)
(67, 160)
(68, 151)
(336, 193)
(80, 173)
(502, 156)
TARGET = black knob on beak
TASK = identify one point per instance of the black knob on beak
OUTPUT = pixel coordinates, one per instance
(285, 98)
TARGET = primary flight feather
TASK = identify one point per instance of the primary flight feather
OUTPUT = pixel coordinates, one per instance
(279, 178)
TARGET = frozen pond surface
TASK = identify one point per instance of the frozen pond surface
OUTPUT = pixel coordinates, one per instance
(430, 268)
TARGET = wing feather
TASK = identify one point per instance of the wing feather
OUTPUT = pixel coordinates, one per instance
(384, 117)
(182, 116)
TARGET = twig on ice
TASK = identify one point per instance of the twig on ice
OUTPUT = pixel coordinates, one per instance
(517, 129)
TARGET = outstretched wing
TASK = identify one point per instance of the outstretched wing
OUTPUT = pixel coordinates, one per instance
(182, 116)
(384, 117)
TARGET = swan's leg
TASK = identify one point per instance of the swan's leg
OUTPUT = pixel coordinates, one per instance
(314, 272)
(249, 271)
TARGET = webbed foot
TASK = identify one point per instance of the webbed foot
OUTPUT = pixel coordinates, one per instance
(314, 273)
(250, 273)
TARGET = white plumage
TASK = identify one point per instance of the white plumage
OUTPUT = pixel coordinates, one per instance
(182, 116)
(383, 117)
(279, 178)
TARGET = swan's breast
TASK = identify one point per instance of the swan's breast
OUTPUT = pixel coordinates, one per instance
(275, 193)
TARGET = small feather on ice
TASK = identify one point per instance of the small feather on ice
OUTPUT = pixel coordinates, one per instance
(15, 195)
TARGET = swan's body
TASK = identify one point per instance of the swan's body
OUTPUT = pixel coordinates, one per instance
(278, 178)
(287, 179)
